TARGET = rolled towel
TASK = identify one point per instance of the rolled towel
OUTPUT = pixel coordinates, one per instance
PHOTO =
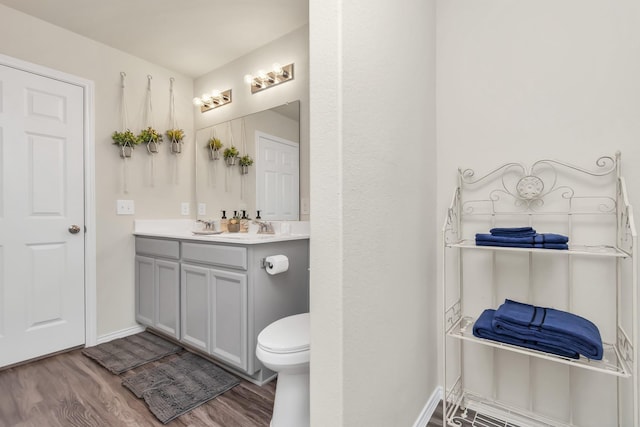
(483, 329)
(513, 231)
(548, 326)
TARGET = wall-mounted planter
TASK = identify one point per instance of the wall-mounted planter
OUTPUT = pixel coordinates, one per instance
(231, 161)
(125, 141)
(176, 147)
(244, 169)
(214, 154)
(152, 147)
(125, 151)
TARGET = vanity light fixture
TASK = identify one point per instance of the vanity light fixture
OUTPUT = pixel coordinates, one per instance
(266, 79)
(215, 99)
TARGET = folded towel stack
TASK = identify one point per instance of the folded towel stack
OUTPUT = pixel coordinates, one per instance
(522, 237)
(539, 328)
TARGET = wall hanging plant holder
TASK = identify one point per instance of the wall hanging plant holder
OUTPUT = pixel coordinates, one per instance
(175, 134)
(149, 135)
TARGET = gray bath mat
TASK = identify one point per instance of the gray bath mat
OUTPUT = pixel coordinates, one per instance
(180, 384)
(127, 353)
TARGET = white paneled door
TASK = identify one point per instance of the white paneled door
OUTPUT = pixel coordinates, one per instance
(277, 177)
(41, 216)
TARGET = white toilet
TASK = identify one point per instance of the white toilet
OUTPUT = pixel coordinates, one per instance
(283, 347)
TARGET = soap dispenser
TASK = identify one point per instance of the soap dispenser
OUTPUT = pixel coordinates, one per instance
(223, 222)
(244, 222)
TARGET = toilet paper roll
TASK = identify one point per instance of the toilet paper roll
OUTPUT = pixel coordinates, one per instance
(276, 264)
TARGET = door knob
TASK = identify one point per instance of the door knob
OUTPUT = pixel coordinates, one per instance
(74, 229)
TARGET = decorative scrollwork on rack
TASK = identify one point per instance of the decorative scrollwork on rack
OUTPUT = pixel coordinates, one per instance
(527, 189)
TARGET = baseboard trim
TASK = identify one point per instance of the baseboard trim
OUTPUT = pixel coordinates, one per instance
(429, 408)
(120, 334)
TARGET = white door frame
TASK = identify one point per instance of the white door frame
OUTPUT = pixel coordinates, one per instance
(90, 323)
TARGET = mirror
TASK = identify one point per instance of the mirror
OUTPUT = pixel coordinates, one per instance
(270, 185)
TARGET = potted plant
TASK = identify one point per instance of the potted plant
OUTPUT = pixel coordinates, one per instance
(230, 155)
(126, 140)
(152, 138)
(176, 136)
(245, 162)
(214, 145)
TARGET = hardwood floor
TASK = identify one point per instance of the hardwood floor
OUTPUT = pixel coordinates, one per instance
(71, 390)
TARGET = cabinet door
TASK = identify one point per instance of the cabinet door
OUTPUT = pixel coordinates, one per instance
(145, 290)
(167, 292)
(229, 325)
(195, 319)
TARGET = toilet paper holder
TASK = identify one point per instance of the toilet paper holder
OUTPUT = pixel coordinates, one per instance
(265, 264)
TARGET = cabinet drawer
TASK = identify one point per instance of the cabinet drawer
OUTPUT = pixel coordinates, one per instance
(158, 247)
(225, 256)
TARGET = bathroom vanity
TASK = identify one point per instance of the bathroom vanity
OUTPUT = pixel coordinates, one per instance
(213, 294)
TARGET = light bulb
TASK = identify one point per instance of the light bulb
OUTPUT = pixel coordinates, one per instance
(197, 102)
(205, 97)
(262, 75)
(277, 68)
(248, 79)
(215, 93)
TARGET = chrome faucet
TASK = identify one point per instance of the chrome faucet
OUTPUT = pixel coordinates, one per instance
(208, 225)
(264, 227)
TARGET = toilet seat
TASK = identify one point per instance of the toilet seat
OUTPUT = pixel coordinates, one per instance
(287, 335)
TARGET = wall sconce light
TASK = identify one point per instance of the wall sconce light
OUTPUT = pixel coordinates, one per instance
(215, 99)
(264, 80)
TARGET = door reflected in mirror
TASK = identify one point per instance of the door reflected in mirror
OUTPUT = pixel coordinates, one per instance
(270, 185)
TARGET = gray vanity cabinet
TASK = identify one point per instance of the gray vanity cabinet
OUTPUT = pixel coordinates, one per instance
(157, 284)
(216, 297)
(214, 312)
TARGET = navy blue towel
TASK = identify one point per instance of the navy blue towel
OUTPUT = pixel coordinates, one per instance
(536, 238)
(544, 241)
(548, 326)
(513, 231)
(561, 246)
(483, 328)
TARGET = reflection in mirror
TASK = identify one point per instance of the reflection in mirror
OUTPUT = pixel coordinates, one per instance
(271, 184)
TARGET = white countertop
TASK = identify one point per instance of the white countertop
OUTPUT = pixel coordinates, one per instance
(183, 229)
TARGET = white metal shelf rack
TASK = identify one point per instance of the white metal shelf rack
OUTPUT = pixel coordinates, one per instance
(555, 197)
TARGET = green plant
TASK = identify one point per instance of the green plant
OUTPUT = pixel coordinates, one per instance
(175, 135)
(246, 160)
(125, 138)
(230, 152)
(150, 135)
(214, 143)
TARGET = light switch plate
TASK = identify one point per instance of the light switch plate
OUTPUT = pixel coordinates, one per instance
(125, 207)
(202, 208)
(184, 208)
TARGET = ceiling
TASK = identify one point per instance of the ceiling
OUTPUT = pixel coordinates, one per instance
(192, 37)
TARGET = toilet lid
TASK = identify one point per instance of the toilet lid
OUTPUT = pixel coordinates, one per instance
(287, 335)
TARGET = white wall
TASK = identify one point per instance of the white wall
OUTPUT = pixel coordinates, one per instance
(291, 48)
(373, 311)
(520, 81)
(32, 40)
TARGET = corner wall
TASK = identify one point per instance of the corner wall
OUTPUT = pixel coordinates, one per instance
(373, 185)
(528, 80)
(33, 40)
